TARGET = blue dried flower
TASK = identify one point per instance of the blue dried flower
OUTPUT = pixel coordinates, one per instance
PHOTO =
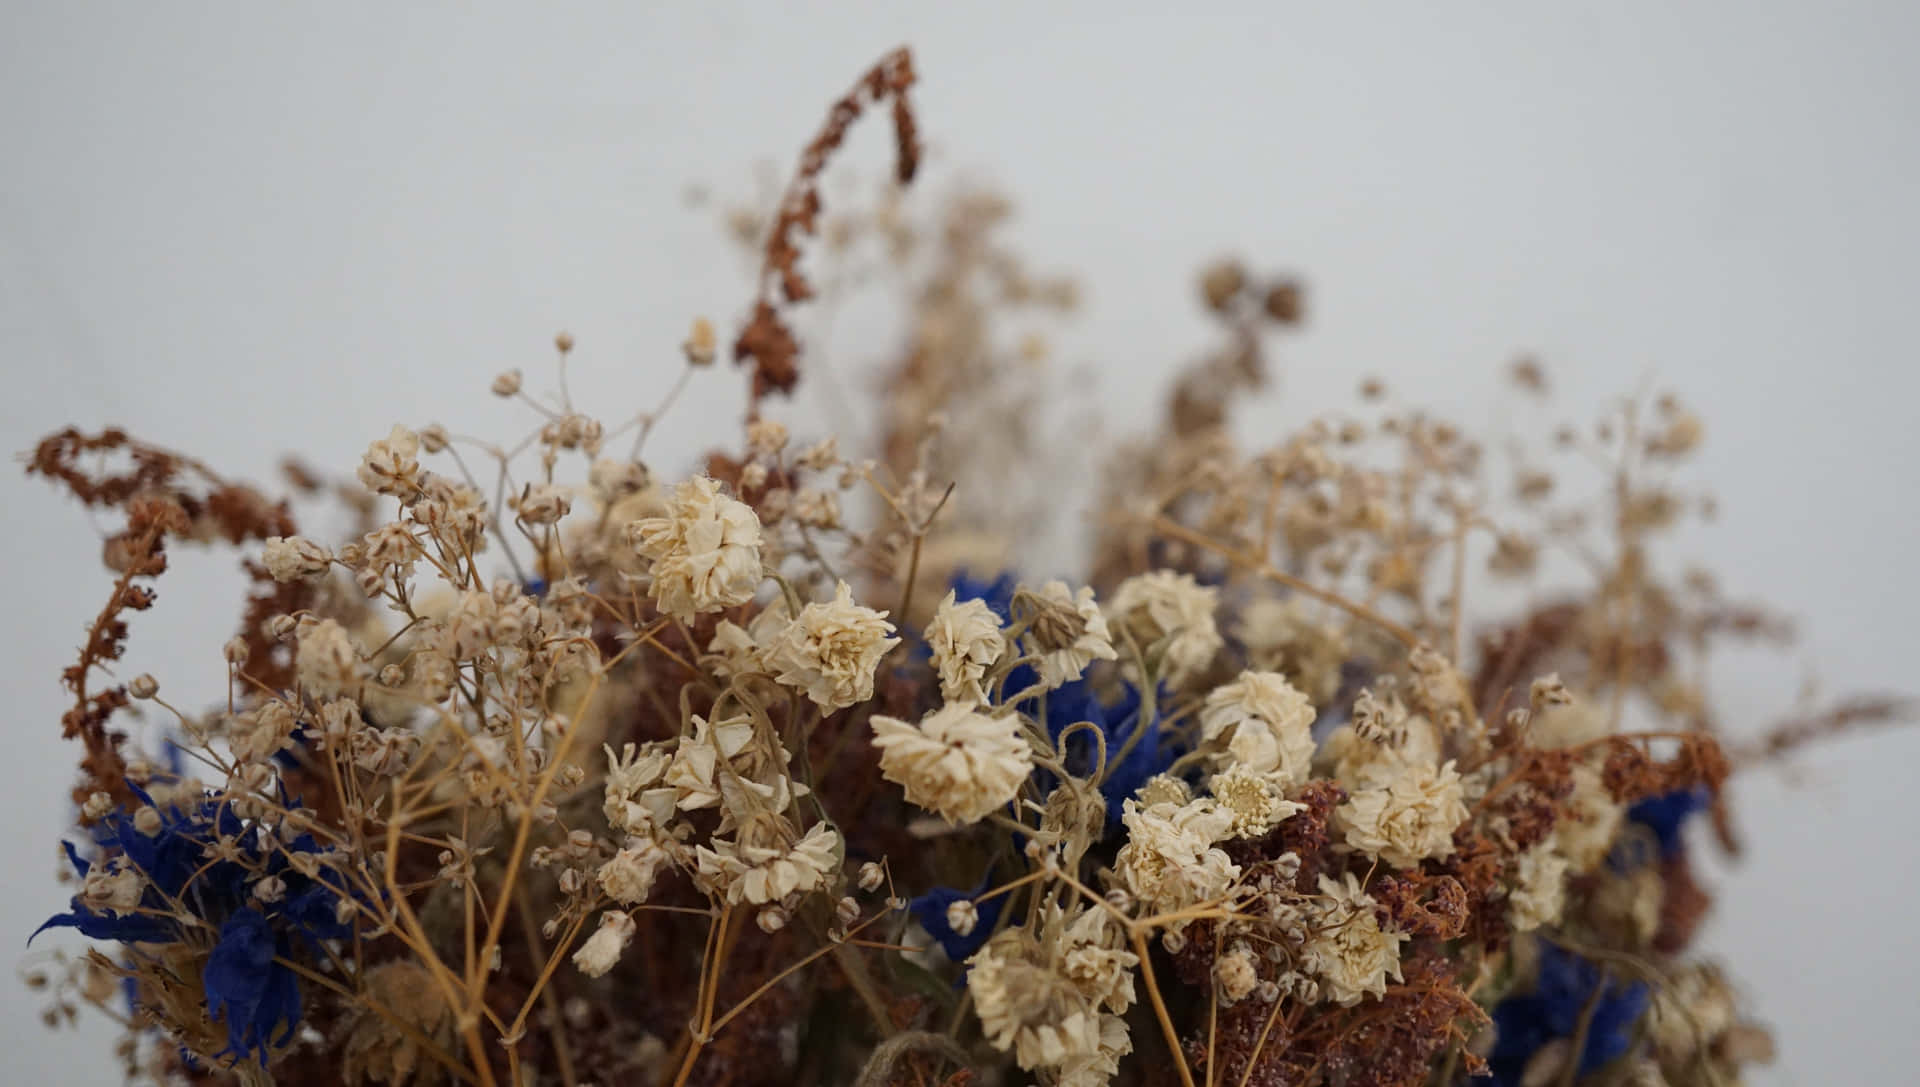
(1666, 814)
(247, 988)
(1566, 983)
(244, 986)
(930, 910)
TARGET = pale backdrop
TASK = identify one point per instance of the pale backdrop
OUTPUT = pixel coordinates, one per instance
(243, 229)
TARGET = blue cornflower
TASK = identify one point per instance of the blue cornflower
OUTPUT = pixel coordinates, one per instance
(244, 986)
(247, 988)
(1566, 983)
(930, 910)
(1151, 754)
(1666, 814)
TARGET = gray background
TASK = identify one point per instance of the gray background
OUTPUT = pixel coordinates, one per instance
(243, 230)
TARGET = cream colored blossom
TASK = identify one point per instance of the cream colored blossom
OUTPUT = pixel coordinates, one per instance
(762, 874)
(262, 732)
(116, 886)
(327, 663)
(628, 876)
(1408, 819)
(1068, 633)
(1349, 951)
(1568, 724)
(830, 650)
(1236, 974)
(694, 772)
(606, 945)
(957, 762)
(1691, 1009)
(391, 465)
(1357, 762)
(705, 551)
(1539, 895)
(637, 802)
(295, 558)
(1053, 1001)
(1275, 724)
(1098, 1068)
(1257, 801)
(1590, 820)
(965, 640)
(1169, 861)
(1170, 615)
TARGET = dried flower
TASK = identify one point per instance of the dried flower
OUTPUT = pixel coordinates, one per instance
(1408, 819)
(1171, 617)
(965, 640)
(830, 650)
(1349, 951)
(1272, 723)
(705, 552)
(295, 558)
(1068, 633)
(606, 945)
(957, 762)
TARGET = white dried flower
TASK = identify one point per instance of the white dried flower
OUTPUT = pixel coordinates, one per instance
(1358, 762)
(391, 465)
(705, 552)
(1068, 633)
(97, 806)
(766, 437)
(628, 875)
(817, 508)
(116, 886)
(962, 916)
(965, 640)
(262, 732)
(872, 875)
(1236, 974)
(1408, 819)
(830, 650)
(1539, 895)
(1258, 801)
(1349, 950)
(1589, 821)
(327, 663)
(1692, 1009)
(295, 558)
(763, 874)
(1274, 733)
(544, 504)
(1169, 861)
(143, 686)
(772, 919)
(958, 763)
(1054, 1002)
(506, 383)
(1171, 617)
(821, 455)
(605, 946)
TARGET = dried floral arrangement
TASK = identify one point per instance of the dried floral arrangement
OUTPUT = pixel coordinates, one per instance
(781, 769)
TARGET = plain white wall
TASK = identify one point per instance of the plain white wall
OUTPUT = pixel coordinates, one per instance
(243, 230)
